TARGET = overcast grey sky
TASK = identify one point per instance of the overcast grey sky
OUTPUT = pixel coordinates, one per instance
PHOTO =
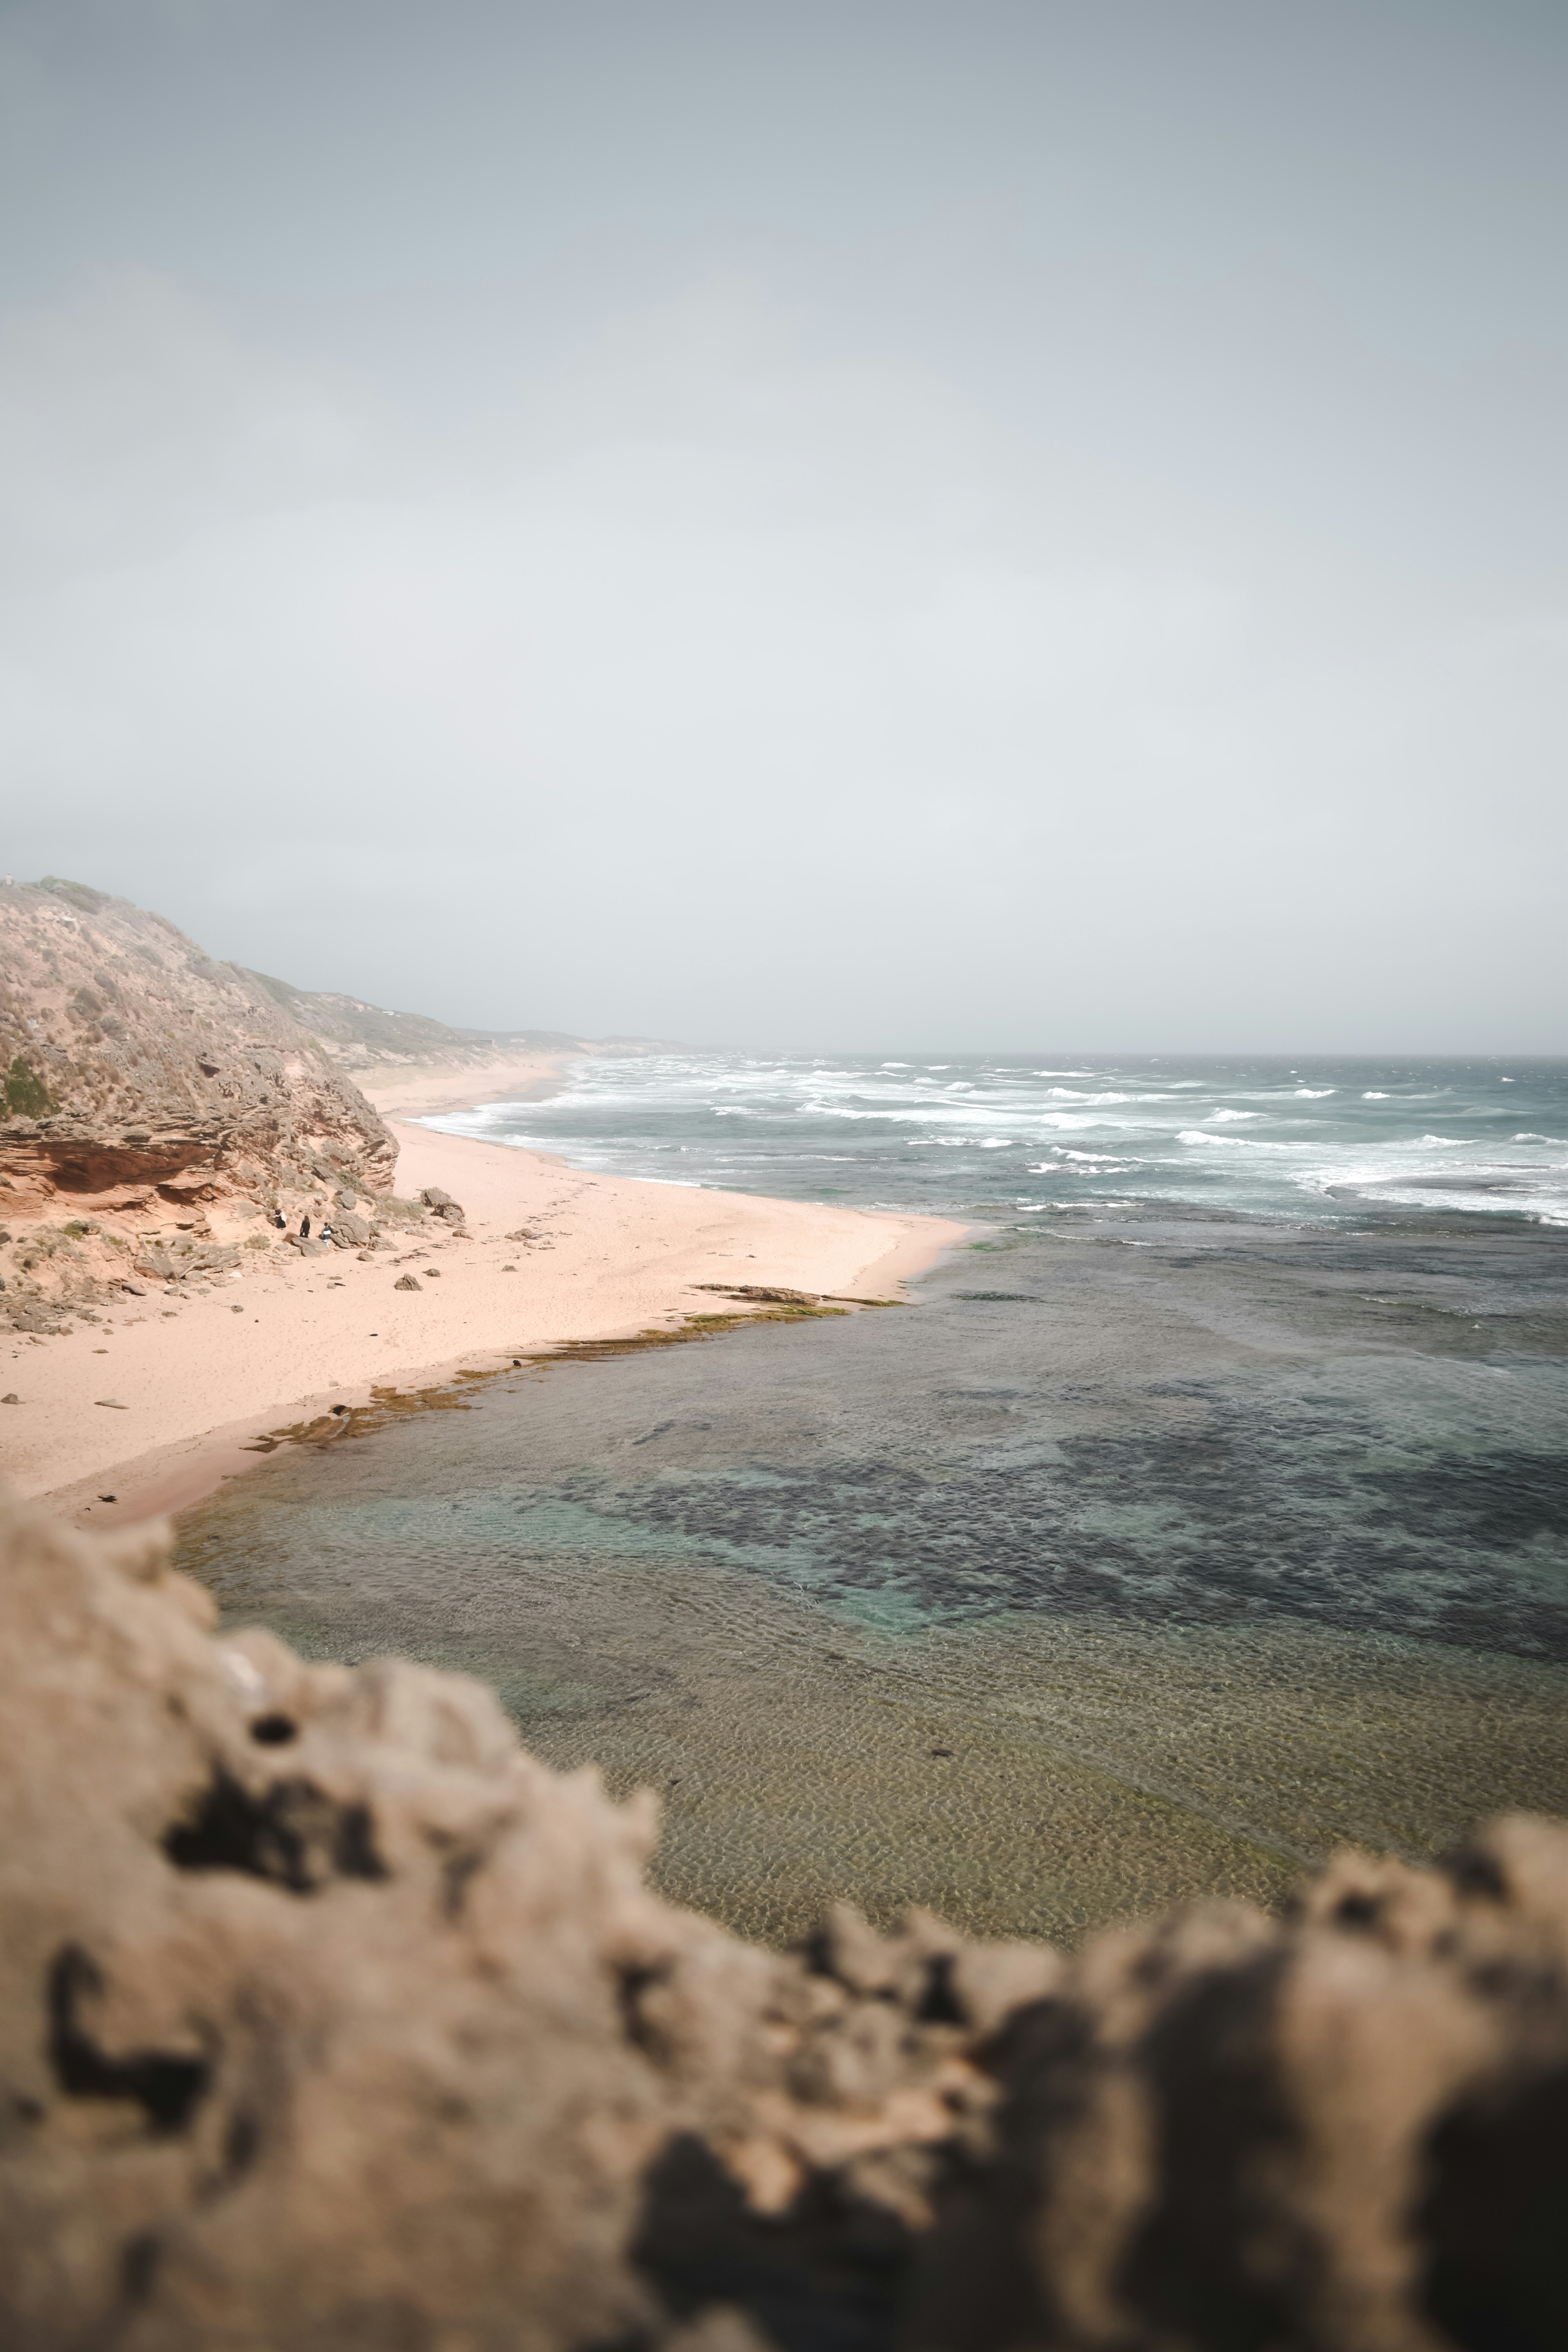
(977, 525)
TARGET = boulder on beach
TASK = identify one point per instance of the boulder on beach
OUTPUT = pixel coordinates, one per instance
(441, 1204)
(405, 1282)
(331, 2018)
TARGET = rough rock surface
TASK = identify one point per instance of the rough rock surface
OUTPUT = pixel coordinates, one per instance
(145, 1090)
(332, 2021)
(161, 1066)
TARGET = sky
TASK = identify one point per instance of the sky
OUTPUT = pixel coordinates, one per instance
(845, 525)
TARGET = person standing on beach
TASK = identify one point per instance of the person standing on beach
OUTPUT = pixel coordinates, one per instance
(305, 1227)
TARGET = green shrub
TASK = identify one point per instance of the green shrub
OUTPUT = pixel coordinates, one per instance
(75, 894)
(26, 1095)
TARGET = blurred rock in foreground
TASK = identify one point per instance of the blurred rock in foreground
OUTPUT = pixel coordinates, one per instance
(330, 2022)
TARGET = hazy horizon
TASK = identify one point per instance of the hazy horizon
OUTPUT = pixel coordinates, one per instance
(802, 529)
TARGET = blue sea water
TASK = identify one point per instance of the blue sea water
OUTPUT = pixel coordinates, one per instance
(1206, 1509)
(1326, 1139)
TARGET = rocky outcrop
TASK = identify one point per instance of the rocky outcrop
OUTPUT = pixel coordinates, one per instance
(332, 2021)
(441, 1204)
(151, 1094)
(138, 1064)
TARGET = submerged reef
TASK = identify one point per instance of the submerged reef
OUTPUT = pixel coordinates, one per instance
(330, 2020)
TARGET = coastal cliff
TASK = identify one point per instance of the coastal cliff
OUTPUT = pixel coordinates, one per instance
(378, 1044)
(330, 2018)
(132, 1059)
(152, 1094)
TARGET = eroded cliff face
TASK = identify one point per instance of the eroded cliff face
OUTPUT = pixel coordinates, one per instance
(328, 2018)
(150, 1094)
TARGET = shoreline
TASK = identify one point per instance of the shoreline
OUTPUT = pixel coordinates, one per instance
(430, 1089)
(586, 1258)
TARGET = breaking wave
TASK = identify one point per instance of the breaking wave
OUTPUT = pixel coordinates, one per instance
(977, 1134)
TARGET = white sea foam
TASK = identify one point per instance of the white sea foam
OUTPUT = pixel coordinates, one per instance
(754, 1120)
(1108, 1161)
(1197, 1136)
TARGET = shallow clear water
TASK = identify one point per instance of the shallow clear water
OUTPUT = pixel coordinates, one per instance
(1159, 1548)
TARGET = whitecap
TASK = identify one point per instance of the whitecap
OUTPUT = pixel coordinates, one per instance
(1215, 1115)
(1371, 1095)
(1196, 1135)
(1071, 1094)
(1073, 1122)
(1111, 1161)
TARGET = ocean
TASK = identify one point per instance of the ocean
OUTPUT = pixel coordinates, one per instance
(1206, 1509)
(1327, 1139)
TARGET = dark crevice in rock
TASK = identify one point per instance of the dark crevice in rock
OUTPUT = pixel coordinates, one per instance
(631, 1984)
(939, 2004)
(458, 1869)
(826, 2276)
(1496, 2218)
(294, 1835)
(1223, 2113)
(165, 2086)
(241, 2145)
(139, 2269)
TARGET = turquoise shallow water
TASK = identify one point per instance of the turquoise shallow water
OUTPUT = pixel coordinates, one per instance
(1161, 1546)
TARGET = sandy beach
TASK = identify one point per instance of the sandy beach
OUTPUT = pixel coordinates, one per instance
(146, 1412)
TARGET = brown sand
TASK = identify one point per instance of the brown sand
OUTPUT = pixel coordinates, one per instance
(155, 1407)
